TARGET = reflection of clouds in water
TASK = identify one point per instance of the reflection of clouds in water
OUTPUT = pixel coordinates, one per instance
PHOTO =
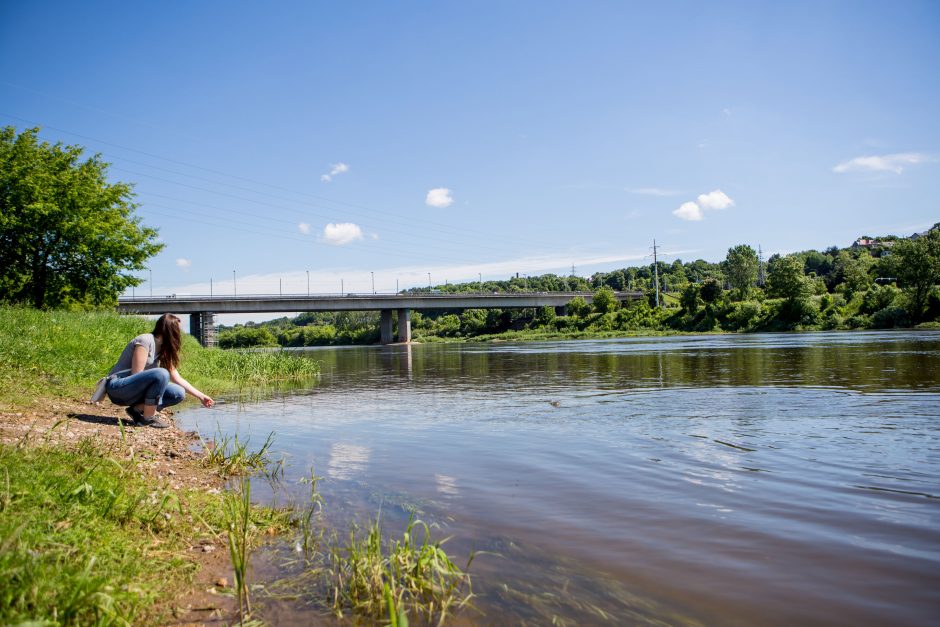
(446, 485)
(347, 459)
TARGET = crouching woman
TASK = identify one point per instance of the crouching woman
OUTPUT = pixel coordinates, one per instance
(145, 379)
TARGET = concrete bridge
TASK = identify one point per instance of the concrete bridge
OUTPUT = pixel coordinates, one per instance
(203, 309)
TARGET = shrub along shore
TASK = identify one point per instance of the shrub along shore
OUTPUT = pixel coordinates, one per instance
(102, 524)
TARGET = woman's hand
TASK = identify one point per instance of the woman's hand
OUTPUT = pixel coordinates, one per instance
(206, 401)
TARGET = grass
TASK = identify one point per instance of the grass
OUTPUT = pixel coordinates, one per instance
(60, 354)
(86, 539)
(240, 534)
(386, 579)
(231, 456)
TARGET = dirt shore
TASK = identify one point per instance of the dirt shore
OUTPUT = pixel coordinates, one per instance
(170, 457)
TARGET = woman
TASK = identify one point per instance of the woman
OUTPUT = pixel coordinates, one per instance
(145, 377)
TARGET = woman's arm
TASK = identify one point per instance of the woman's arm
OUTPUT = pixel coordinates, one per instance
(186, 385)
(138, 359)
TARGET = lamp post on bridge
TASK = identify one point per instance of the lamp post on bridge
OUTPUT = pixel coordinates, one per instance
(373, 283)
(480, 274)
(429, 282)
(234, 284)
(308, 283)
(150, 270)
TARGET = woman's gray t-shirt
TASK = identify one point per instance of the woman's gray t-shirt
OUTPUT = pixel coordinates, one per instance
(124, 361)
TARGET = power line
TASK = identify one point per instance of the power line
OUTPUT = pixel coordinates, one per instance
(425, 223)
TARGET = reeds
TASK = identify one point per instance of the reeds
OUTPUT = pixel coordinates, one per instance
(387, 579)
(240, 530)
(231, 456)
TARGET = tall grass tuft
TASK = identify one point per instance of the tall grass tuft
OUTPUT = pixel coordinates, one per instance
(311, 533)
(231, 456)
(376, 579)
(240, 531)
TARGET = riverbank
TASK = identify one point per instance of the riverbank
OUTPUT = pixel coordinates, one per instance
(104, 522)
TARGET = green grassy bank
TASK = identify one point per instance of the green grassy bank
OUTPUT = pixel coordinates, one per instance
(86, 539)
(46, 355)
(86, 536)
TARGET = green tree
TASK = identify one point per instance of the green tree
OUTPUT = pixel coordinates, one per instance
(916, 264)
(852, 272)
(577, 307)
(710, 291)
(67, 236)
(690, 298)
(741, 269)
(604, 300)
(786, 279)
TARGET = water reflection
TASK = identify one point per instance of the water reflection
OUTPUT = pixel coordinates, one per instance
(347, 460)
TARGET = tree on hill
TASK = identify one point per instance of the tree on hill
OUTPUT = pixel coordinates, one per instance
(741, 268)
(916, 264)
(786, 279)
(67, 235)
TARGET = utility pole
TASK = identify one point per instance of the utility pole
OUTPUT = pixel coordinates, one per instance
(656, 272)
(760, 266)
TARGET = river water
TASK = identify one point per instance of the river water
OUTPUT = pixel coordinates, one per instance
(773, 479)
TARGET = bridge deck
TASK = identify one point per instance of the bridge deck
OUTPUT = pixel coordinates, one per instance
(350, 302)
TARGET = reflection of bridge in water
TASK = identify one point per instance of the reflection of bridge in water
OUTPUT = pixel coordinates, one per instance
(203, 309)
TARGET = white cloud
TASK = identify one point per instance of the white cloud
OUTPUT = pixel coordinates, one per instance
(716, 199)
(341, 233)
(653, 191)
(304, 228)
(694, 210)
(183, 263)
(439, 197)
(881, 163)
(335, 168)
(689, 211)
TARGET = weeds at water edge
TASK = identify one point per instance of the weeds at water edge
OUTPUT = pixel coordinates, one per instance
(376, 579)
(232, 458)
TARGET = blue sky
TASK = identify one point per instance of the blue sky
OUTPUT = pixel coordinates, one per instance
(464, 138)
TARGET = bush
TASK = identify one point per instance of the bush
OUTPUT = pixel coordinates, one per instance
(605, 301)
(578, 307)
(890, 318)
(859, 321)
(742, 315)
(246, 337)
(878, 298)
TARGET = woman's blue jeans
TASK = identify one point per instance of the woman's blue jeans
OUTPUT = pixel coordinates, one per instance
(150, 387)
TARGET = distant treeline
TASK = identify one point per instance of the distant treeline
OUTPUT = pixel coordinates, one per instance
(884, 282)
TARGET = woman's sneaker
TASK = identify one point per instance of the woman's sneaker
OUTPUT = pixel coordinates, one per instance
(154, 421)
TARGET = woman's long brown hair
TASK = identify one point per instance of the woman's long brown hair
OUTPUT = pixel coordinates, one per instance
(168, 330)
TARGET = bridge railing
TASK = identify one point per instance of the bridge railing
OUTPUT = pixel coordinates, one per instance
(387, 295)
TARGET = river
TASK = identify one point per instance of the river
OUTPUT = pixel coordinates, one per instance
(771, 479)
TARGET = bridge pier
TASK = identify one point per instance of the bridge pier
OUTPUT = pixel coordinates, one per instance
(385, 326)
(404, 325)
(202, 327)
